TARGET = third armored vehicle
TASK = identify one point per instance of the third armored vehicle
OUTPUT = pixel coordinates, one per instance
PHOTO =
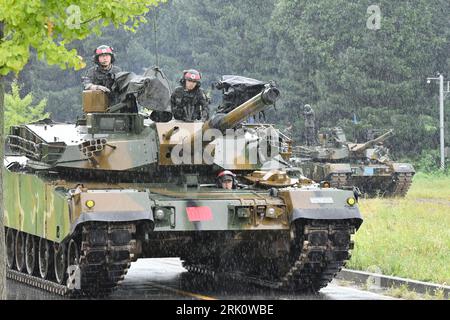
(344, 164)
(84, 200)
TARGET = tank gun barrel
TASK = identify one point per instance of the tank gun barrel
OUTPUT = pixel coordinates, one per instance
(370, 143)
(231, 119)
(256, 104)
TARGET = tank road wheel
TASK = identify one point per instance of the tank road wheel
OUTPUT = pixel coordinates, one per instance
(10, 247)
(73, 262)
(73, 255)
(60, 262)
(30, 254)
(45, 258)
(20, 251)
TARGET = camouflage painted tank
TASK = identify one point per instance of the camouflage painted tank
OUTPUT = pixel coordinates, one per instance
(84, 200)
(366, 166)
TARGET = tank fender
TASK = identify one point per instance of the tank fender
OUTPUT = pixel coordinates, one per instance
(337, 168)
(111, 206)
(116, 216)
(403, 167)
(328, 214)
(321, 204)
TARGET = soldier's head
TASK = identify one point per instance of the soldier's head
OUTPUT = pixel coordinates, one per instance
(104, 56)
(307, 108)
(191, 79)
(226, 180)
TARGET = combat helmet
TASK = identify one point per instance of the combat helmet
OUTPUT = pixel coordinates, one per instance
(224, 176)
(104, 49)
(191, 75)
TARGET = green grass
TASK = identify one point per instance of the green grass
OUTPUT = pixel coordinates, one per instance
(430, 186)
(403, 292)
(408, 237)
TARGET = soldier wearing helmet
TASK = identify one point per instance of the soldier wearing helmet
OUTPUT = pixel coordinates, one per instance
(189, 102)
(310, 130)
(102, 76)
(226, 180)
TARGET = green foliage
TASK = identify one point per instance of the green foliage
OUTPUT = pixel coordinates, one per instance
(403, 292)
(21, 110)
(428, 161)
(48, 27)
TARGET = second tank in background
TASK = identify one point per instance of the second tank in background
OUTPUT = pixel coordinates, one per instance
(344, 164)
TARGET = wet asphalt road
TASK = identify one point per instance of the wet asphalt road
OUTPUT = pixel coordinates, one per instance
(166, 279)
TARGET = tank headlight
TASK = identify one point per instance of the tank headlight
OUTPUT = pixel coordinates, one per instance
(90, 204)
(351, 201)
(159, 214)
(271, 213)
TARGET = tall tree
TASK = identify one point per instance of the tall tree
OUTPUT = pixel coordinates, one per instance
(20, 110)
(48, 27)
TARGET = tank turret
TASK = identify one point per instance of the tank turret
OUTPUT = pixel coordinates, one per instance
(178, 139)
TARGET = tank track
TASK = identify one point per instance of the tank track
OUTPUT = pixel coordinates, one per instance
(40, 283)
(320, 248)
(400, 185)
(107, 254)
(105, 257)
(339, 180)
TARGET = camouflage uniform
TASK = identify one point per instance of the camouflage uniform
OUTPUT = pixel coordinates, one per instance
(189, 105)
(99, 76)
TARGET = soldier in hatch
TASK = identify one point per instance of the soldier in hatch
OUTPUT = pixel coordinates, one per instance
(189, 102)
(226, 180)
(102, 76)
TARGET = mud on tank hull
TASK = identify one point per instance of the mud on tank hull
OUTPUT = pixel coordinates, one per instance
(82, 240)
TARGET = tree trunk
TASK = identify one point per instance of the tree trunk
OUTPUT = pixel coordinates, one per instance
(2, 229)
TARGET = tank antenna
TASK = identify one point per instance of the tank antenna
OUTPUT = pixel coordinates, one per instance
(156, 36)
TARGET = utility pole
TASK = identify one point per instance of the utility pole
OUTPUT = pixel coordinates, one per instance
(442, 96)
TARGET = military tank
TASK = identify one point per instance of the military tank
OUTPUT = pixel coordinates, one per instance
(84, 200)
(366, 166)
